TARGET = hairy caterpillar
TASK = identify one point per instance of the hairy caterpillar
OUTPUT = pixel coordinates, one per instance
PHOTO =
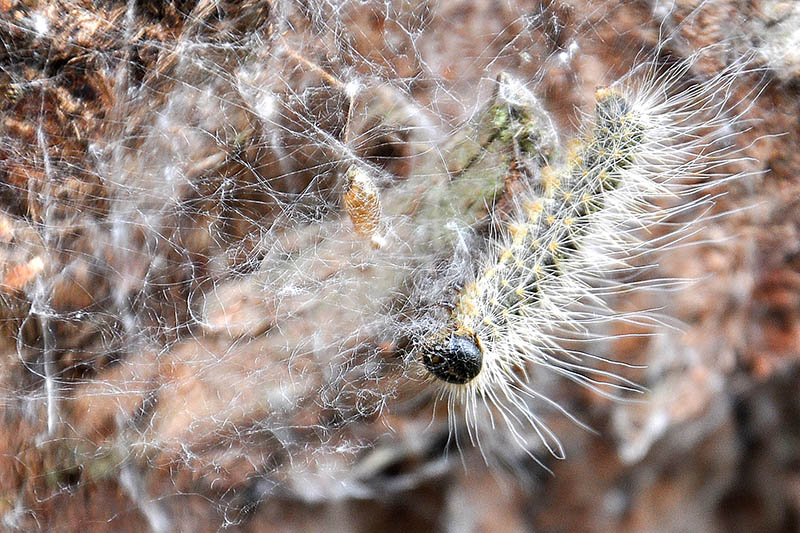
(651, 142)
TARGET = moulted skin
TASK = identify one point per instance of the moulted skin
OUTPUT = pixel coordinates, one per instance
(363, 204)
(175, 260)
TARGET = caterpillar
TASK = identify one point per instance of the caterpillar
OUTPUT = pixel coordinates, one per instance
(653, 140)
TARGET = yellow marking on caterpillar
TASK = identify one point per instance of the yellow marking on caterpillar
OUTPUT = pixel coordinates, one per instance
(534, 209)
(473, 289)
(518, 232)
(466, 307)
(604, 93)
(574, 146)
(550, 180)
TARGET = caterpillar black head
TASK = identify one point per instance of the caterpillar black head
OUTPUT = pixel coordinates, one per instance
(456, 358)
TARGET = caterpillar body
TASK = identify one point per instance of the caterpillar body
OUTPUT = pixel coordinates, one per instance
(545, 276)
(550, 226)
